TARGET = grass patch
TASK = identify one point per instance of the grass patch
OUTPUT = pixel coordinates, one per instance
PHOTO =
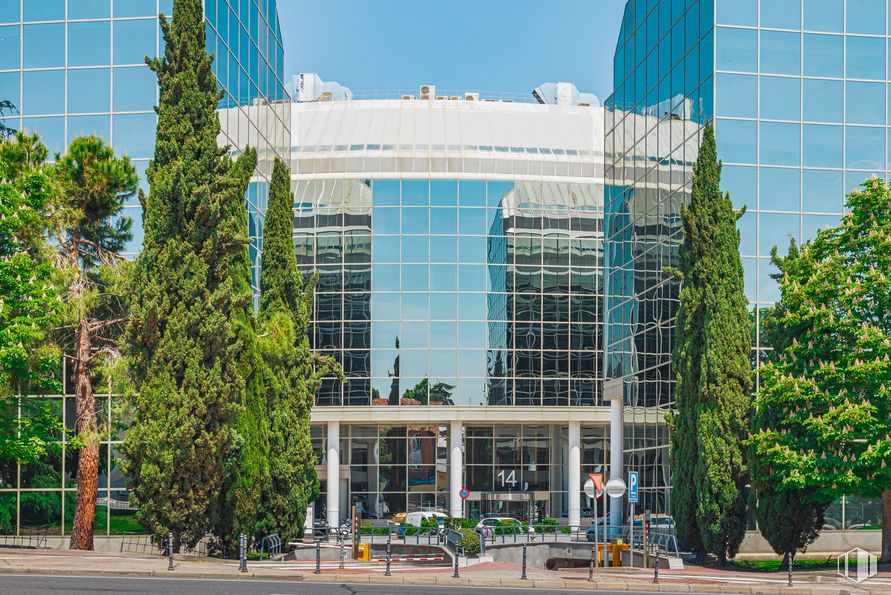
(777, 564)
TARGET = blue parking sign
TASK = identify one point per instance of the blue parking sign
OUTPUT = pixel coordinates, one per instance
(632, 487)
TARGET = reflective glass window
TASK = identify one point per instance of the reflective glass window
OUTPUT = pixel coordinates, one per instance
(385, 248)
(736, 49)
(865, 57)
(811, 224)
(736, 95)
(865, 103)
(10, 47)
(414, 249)
(89, 43)
(385, 221)
(89, 90)
(736, 141)
(823, 100)
(444, 249)
(43, 10)
(135, 89)
(737, 12)
(89, 9)
(134, 40)
(823, 191)
(10, 89)
(43, 92)
(134, 134)
(43, 45)
(768, 288)
(780, 189)
(864, 147)
(10, 12)
(865, 16)
(472, 194)
(415, 220)
(415, 193)
(747, 233)
(781, 14)
(739, 181)
(780, 143)
(780, 52)
(824, 15)
(89, 126)
(135, 8)
(776, 229)
(854, 179)
(51, 131)
(822, 145)
(386, 193)
(824, 55)
(443, 192)
(780, 98)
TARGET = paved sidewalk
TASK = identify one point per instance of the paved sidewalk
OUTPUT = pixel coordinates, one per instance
(489, 574)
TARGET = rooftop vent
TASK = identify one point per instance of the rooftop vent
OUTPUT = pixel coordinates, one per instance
(471, 97)
(427, 92)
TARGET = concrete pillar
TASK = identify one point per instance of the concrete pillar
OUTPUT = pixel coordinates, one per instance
(574, 473)
(616, 454)
(456, 469)
(333, 474)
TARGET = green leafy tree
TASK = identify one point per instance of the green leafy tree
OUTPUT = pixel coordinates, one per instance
(29, 305)
(714, 376)
(191, 339)
(293, 373)
(823, 424)
(89, 233)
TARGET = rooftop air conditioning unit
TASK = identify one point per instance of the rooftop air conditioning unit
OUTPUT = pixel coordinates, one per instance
(507, 101)
(407, 97)
(326, 96)
(471, 97)
(427, 91)
(441, 97)
(454, 98)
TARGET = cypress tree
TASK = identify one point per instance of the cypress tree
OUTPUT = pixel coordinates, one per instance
(292, 378)
(713, 371)
(191, 333)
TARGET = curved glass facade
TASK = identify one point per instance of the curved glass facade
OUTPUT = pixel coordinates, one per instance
(455, 292)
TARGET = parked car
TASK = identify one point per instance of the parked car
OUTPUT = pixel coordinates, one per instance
(415, 519)
(498, 525)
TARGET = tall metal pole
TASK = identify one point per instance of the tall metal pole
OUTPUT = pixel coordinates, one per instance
(631, 538)
(596, 534)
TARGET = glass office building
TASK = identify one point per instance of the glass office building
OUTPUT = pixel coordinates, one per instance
(459, 246)
(77, 67)
(797, 89)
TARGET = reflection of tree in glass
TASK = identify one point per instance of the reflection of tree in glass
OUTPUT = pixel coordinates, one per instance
(6, 106)
(424, 394)
(394, 387)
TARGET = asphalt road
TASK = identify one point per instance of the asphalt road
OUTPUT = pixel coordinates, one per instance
(40, 584)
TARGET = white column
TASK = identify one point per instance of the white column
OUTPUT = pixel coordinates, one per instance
(456, 468)
(333, 458)
(616, 453)
(574, 473)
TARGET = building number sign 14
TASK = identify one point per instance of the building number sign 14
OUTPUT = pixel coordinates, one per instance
(507, 478)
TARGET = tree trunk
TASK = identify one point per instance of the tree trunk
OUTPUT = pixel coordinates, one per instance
(88, 455)
(886, 527)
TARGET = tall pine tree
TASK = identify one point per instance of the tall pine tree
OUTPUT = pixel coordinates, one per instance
(191, 332)
(714, 376)
(293, 379)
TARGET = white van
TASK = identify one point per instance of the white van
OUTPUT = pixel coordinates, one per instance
(414, 518)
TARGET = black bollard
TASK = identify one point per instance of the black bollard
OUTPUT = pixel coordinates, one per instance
(242, 551)
(524, 562)
(342, 555)
(455, 575)
(593, 557)
(387, 573)
(170, 551)
(318, 557)
(656, 568)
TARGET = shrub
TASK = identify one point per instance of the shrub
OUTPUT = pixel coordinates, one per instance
(460, 523)
(546, 526)
(470, 542)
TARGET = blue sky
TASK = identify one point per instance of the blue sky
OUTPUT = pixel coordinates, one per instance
(474, 45)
